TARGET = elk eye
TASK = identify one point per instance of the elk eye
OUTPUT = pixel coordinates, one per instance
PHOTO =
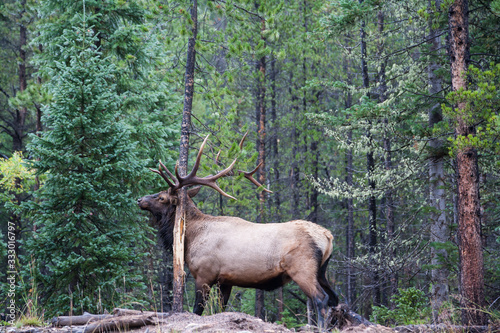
(162, 198)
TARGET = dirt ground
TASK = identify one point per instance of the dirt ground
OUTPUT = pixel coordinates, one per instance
(238, 322)
(230, 322)
(235, 322)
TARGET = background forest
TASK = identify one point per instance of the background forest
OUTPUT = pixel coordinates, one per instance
(353, 107)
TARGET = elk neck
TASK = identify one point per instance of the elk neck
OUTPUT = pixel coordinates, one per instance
(194, 220)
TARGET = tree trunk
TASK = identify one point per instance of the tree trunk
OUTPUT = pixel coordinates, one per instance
(469, 219)
(275, 142)
(21, 113)
(260, 115)
(275, 157)
(389, 201)
(439, 225)
(179, 227)
(313, 146)
(294, 137)
(370, 165)
(18, 125)
(350, 245)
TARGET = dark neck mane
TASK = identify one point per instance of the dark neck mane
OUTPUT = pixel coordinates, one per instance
(166, 228)
(166, 223)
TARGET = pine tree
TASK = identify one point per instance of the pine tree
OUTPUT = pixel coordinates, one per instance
(87, 238)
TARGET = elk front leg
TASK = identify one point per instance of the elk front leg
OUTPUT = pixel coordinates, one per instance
(202, 292)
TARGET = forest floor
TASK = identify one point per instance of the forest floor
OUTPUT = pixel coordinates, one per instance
(237, 322)
(231, 322)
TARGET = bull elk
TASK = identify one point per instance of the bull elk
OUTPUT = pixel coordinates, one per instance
(229, 251)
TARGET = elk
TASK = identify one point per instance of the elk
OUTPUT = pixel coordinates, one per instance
(228, 251)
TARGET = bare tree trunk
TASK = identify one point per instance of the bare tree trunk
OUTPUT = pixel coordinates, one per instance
(389, 201)
(19, 122)
(313, 216)
(275, 141)
(275, 155)
(180, 215)
(261, 148)
(21, 113)
(313, 146)
(261, 129)
(294, 170)
(38, 128)
(350, 277)
(469, 216)
(439, 224)
(350, 235)
(370, 165)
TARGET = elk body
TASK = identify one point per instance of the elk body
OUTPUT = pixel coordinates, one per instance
(228, 251)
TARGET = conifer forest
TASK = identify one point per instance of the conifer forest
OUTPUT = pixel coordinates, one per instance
(376, 120)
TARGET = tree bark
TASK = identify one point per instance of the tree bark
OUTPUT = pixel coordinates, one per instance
(469, 217)
(21, 113)
(179, 227)
(20, 120)
(350, 245)
(439, 224)
(260, 115)
(261, 131)
(370, 165)
(275, 157)
(389, 201)
(275, 142)
(294, 137)
(313, 146)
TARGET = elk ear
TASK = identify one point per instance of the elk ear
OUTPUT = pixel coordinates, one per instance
(193, 191)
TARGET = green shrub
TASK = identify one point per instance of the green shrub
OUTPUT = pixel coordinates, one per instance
(289, 319)
(411, 306)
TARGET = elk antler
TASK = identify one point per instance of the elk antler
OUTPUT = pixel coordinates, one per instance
(249, 176)
(191, 179)
(160, 172)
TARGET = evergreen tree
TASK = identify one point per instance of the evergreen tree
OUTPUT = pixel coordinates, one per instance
(86, 239)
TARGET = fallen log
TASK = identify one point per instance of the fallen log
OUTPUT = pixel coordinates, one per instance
(342, 316)
(127, 312)
(120, 323)
(77, 320)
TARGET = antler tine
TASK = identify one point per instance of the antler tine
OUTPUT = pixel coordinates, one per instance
(249, 176)
(223, 173)
(217, 158)
(243, 140)
(196, 165)
(192, 179)
(167, 171)
(176, 170)
(170, 184)
(211, 180)
(211, 183)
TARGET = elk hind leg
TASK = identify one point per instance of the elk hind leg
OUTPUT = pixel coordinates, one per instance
(333, 299)
(307, 281)
(202, 292)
